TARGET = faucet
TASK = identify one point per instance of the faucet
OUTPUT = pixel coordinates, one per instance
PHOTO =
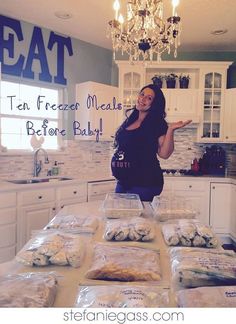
(38, 164)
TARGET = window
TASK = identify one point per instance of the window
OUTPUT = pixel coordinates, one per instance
(23, 111)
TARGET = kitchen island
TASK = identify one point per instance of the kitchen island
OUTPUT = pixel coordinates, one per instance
(70, 278)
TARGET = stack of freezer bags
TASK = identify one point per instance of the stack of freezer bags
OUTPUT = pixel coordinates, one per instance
(74, 223)
(188, 233)
(171, 207)
(133, 229)
(53, 247)
(224, 296)
(28, 290)
(124, 263)
(122, 296)
(196, 267)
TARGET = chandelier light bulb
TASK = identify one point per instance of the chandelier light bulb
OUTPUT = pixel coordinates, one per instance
(121, 19)
(175, 4)
(116, 7)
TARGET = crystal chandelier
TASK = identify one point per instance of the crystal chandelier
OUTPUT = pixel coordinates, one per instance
(145, 35)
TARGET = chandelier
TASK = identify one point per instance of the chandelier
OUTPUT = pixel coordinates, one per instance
(144, 35)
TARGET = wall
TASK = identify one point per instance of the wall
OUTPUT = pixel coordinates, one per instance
(90, 159)
(80, 159)
(88, 63)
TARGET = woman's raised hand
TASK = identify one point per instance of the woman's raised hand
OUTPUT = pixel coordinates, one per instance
(179, 124)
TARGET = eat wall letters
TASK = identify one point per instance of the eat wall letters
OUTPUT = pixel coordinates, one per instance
(23, 65)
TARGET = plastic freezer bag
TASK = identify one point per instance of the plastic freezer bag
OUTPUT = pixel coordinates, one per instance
(194, 267)
(28, 290)
(50, 247)
(124, 263)
(188, 233)
(74, 223)
(133, 229)
(207, 297)
(122, 296)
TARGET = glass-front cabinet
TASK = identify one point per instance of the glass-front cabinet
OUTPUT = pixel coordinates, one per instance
(131, 80)
(213, 85)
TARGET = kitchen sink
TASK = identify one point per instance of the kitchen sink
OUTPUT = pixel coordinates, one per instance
(40, 180)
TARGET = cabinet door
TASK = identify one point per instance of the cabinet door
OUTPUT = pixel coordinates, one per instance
(131, 80)
(220, 207)
(7, 234)
(229, 133)
(181, 104)
(71, 194)
(31, 218)
(213, 84)
(233, 212)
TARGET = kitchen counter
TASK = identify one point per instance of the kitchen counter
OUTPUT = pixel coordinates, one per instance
(8, 186)
(69, 278)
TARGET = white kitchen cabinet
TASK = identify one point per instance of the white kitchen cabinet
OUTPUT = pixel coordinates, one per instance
(181, 104)
(71, 194)
(8, 223)
(194, 191)
(100, 111)
(203, 102)
(229, 130)
(35, 209)
(212, 102)
(38, 206)
(233, 212)
(131, 80)
(220, 207)
(98, 190)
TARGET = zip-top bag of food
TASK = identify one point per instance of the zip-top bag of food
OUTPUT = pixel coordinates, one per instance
(122, 296)
(74, 223)
(53, 247)
(197, 267)
(224, 296)
(28, 289)
(124, 263)
(186, 232)
(131, 229)
(119, 205)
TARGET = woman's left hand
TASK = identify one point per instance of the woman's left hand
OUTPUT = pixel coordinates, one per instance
(179, 124)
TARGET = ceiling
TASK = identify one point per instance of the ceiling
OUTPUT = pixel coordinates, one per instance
(90, 17)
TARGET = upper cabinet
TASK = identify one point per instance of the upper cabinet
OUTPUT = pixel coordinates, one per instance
(131, 80)
(203, 101)
(229, 131)
(99, 113)
(181, 104)
(212, 101)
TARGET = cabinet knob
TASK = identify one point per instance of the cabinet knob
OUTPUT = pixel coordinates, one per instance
(62, 206)
(213, 187)
(226, 137)
(190, 186)
(54, 208)
(40, 197)
(168, 109)
(75, 192)
(176, 109)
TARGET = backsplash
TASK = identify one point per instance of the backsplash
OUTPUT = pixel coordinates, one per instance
(91, 160)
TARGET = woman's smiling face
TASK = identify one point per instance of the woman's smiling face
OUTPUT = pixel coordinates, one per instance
(145, 99)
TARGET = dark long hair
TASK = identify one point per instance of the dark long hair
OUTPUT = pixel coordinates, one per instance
(156, 113)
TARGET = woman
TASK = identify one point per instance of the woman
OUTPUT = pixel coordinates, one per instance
(142, 136)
